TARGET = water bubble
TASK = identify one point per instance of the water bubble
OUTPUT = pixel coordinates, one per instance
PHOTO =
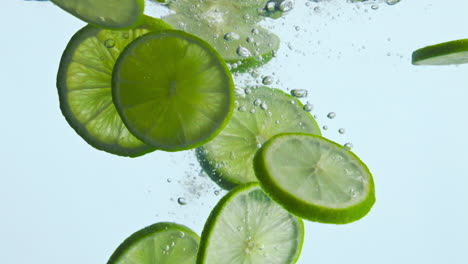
(247, 90)
(375, 7)
(348, 146)
(259, 145)
(331, 115)
(257, 102)
(181, 201)
(109, 43)
(255, 31)
(341, 131)
(181, 234)
(308, 107)
(325, 127)
(277, 122)
(249, 40)
(297, 28)
(267, 80)
(299, 93)
(261, 247)
(243, 52)
(239, 228)
(125, 35)
(317, 9)
(292, 102)
(270, 6)
(216, 192)
(169, 180)
(241, 109)
(230, 36)
(252, 111)
(264, 106)
(392, 2)
(286, 5)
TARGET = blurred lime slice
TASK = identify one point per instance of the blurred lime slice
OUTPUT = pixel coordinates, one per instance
(314, 178)
(447, 53)
(167, 243)
(172, 90)
(111, 14)
(84, 87)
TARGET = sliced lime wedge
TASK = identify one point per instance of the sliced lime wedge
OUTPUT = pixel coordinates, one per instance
(243, 46)
(453, 52)
(315, 178)
(84, 87)
(172, 90)
(228, 158)
(111, 14)
(167, 243)
(248, 227)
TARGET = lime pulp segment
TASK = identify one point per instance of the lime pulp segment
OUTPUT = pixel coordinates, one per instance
(262, 113)
(315, 178)
(247, 227)
(112, 14)
(84, 87)
(172, 90)
(162, 243)
(447, 53)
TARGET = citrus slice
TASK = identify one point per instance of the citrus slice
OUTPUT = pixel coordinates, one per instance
(167, 243)
(243, 46)
(452, 52)
(84, 87)
(172, 90)
(261, 114)
(314, 178)
(111, 14)
(246, 226)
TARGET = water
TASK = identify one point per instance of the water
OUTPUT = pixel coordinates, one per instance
(404, 122)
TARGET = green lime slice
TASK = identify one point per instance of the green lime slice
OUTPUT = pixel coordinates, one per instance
(315, 178)
(243, 46)
(248, 227)
(172, 90)
(453, 52)
(84, 87)
(227, 159)
(167, 243)
(111, 14)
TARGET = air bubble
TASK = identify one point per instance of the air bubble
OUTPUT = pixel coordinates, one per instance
(308, 107)
(325, 127)
(230, 36)
(264, 106)
(181, 201)
(299, 93)
(341, 131)
(243, 52)
(392, 2)
(267, 80)
(257, 102)
(109, 43)
(331, 115)
(348, 146)
(286, 5)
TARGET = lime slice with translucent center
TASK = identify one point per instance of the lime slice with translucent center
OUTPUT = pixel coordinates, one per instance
(167, 243)
(315, 178)
(453, 52)
(247, 227)
(110, 14)
(172, 90)
(243, 46)
(84, 87)
(261, 114)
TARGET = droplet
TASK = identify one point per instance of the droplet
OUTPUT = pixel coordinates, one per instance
(299, 93)
(317, 9)
(252, 111)
(392, 2)
(297, 28)
(181, 234)
(341, 131)
(181, 201)
(348, 146)
(261, 247)
(331, 115)
(255, 31)
(125, 35)
(270, 6)
(286, 5)
(243, 52)
(257, 102)
(267, 80)
(230, 36)
(109, 43)
(249, 40)
(169, 180)
(375, 7)
(216, 192)
(247, 90)
(325, 127)
(308, 107)
(277, 122)
(264, 106)
(241, 109)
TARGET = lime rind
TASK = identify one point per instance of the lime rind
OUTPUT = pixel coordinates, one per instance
(216, 215)
(160, 144)
(84, 88)
(302, 208)
(124, 248)
(447, 53)
(94, 12)
(217, 161)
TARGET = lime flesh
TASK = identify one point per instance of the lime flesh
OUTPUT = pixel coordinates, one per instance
(162, 243)
(172, 90)
(84, 87)
(447, 53)
(247, 227)
(228, 158)
(315, 178)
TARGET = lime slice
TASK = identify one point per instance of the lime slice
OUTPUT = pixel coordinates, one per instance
(243, 46)
(167, 243)
(228, 158)
(315, 178)
(84, 87)
(172, 90)
(112, 14)
(453, 52)
(248, 227)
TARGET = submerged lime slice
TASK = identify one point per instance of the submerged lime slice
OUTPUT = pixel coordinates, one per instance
(172, 90)
(167, 243)
(453, 52)
(84, 87)
(261, 114)
(243, 46)
(315, 178)
(248, 227)
(112, 14)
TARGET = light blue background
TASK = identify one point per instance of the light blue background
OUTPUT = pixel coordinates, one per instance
(61, 201)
